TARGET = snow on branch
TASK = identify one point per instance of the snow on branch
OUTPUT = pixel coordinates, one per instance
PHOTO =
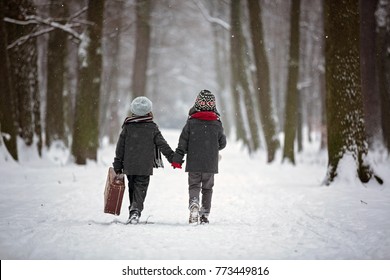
(211, 19)
(52, 25)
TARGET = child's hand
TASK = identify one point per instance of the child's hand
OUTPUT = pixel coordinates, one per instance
(176, 165)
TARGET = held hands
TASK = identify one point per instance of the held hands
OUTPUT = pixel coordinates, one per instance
(177, 161)
(176, 165)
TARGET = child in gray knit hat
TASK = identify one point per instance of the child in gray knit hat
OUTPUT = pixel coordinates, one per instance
(201, 139)
(136, 154)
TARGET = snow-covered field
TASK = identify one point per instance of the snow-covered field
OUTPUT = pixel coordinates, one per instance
(52, 209)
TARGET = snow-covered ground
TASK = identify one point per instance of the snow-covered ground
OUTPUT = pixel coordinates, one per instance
(52, 209)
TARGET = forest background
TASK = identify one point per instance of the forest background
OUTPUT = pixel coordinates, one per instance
(299, 68)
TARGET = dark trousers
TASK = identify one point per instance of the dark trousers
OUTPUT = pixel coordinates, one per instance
(138, 187)
(201, 182)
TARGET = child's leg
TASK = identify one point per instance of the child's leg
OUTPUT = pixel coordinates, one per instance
(130, 179)
(207, 192)
(194, 186)
(140, 189)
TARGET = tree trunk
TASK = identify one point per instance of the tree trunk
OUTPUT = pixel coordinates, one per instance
(299, 126)
(238, 71)
(368, 60)
(109, 120)
(36, 98)
(24, 71)
(7, 109)
(220, 56)
(263, 80)
(55, 120)
(346, 131)
(250, 108)
(234, 49)
(143, 9)
(291, 115)
(324, 130)
(383, 66)
(86, 127)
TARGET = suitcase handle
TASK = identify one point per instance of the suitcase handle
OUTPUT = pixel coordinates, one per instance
(118, 179)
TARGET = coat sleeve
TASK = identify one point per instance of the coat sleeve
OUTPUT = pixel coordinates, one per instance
(222, 139)
(120, 151)
(182, 147)
(163, 146)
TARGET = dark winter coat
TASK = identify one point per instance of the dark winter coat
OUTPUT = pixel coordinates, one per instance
(201, 140)
(135, 150)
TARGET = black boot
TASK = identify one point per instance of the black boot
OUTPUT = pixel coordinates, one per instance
(204, 220)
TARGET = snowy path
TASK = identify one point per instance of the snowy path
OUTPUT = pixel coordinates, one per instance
(259, 212)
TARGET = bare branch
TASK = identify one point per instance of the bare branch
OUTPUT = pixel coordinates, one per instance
(65, 27)
(78, 14)
(19, 22)
(36, 20)
(53, 24)
(211, 19)
(25, 38)
(83, 21)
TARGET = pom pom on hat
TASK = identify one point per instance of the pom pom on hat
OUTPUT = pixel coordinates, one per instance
(205, 101)
(141, 106)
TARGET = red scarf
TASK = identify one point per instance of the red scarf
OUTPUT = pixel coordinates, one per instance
(205, 116)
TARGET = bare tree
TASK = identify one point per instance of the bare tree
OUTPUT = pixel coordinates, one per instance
(346, 130)
(262, 84)
(240, 84)
(139, 80)
(234, 49)
(221, 31)
(383, 66)
(109, 119)
(370, 92)
(55, 122)
(291, 115)
(24, 71)
(86, 127)
(7, 109)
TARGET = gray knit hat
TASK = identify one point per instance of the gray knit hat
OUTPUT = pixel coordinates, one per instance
(141, 106)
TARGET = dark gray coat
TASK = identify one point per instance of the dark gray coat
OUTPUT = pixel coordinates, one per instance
(135, 148)
(201, 140)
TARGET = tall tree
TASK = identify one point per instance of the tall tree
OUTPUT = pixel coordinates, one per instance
(346, 131)
(7, 109)
(139, 80)
(56, 55)
(109, 119)
(309, 100)
(291, 115)
(234, 49)
(370, 92)
(24, 71)
(263, 80)
(240, 84)
(86, 126)
(78, 11)
(383, 65)
(221, 54)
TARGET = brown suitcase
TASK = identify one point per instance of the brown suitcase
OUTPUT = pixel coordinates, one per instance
(113, 193)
